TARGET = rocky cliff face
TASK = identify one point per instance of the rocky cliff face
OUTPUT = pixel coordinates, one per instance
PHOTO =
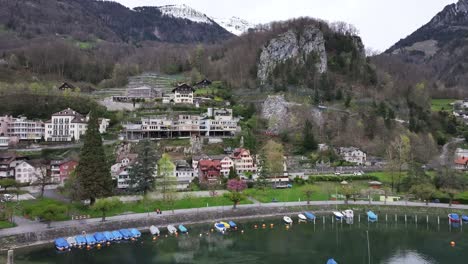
(283, 115)
(291, 45)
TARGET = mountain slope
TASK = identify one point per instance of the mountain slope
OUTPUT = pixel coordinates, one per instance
(107, 20)
(440, 47)
(235, 25)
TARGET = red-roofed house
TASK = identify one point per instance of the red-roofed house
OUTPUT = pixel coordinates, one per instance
(209, 171)
(461, 163)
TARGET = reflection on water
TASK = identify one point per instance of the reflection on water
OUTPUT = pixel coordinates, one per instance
(409, 257)
(302, 243)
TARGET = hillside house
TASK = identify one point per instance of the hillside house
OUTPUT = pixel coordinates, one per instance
(353, 155)
(21, 128)
(143, 92)
(30, 171)
(66, 86)
(183, 94)
(69, 125)
(202, 84)
(209, 171)
(243, 162)
(60, 170)
(8, 163)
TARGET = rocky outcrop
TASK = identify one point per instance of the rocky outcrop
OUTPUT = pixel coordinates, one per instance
(283, 115)
(291, 45)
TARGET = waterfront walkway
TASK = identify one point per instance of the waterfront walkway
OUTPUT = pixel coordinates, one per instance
(29, 226)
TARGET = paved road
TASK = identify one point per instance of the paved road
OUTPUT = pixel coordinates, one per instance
(64, 146)
(27, 227)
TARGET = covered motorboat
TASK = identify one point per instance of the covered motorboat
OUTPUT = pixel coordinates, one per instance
(302, 218)
(171, 229)
(117, 235)
(338, 215)
(154, 230)
(371, 217)
(135, 232)
(220, 227)
(310, 216)
(287, 220)
(182, 229)
(454, 218)
(61, 244)
(71, 241)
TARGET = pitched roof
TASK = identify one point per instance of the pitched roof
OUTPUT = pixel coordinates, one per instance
(462, 161)
(66, 85)
(183, 88)
(210, 163)
(238, 152)
(67, 112)
(204, 82)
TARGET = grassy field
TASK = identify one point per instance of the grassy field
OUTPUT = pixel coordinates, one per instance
(289, 195)
(32, 208)
(441, 104)
(6, 224)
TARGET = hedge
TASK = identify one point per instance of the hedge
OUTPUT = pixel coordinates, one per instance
(341, 178)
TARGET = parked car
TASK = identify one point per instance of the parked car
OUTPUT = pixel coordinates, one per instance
(6, 197)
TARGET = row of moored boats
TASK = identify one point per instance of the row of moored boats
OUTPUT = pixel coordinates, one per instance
(347, 215)
(455, 218)
(96, 239)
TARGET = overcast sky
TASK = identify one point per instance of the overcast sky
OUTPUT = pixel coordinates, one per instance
(381, 22)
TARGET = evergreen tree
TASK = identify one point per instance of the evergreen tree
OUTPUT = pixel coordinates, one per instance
(143, 172)
(232, 173)
(308, 143)
(93, 172)
(263, 172)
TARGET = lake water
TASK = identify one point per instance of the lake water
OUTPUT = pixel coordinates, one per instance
(390, 243)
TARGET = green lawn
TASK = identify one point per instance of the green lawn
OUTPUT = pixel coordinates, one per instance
(386, 177)
(441, 104)
(31, 208)
(6, 224)
(288, 195)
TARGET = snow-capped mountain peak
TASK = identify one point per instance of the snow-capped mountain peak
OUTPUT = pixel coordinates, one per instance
(185, 12)
(235, 25)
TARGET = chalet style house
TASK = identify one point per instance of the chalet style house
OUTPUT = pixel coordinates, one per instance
(182, 94)
(203, 83)
(209, 171)
(66, 86)
(353, 155)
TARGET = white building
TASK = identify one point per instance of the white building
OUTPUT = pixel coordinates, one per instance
(21, 128)
(184, 172)
(123, 180)
(69, 125)
(226, 165)
(353, 155)
(29, 171)
(183, 94)
(243, 162)
(216, 122)
(4, 142)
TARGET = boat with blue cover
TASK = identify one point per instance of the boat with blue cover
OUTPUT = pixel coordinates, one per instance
(310, 216)
(338, 215)
(232, 224)
(61, 244)
(109, 236)
(465, 219)
(182, 229)
(117, 235)
(90, 240)
(80, 240)
(135, 232)
(331, 261)
(125, 234)
(220, 227)
(371, 217)
(100, 238)
(454, 218)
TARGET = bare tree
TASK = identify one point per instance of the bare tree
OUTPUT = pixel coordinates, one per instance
(43, 177)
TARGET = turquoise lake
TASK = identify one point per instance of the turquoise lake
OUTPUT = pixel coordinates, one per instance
(390, 243)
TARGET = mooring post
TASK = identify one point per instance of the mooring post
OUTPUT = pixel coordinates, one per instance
(359, 218)
(386, 220)
(427, 219)
(396, 219)
(438, 220)
(333, 220)
(10, 259)
(323, 220)
(416, 219)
